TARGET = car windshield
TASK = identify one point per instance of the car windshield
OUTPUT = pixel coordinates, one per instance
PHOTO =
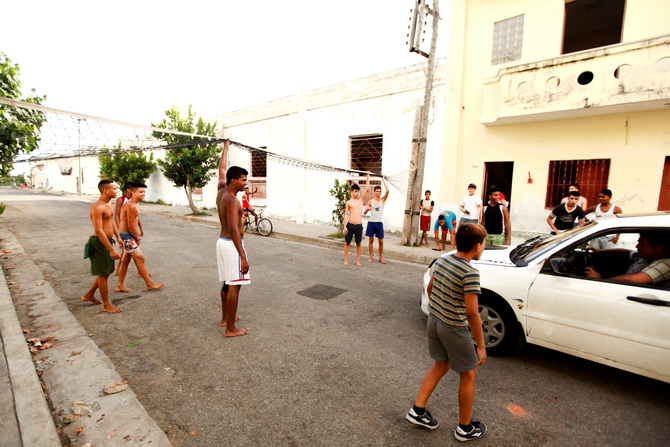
(526, 252)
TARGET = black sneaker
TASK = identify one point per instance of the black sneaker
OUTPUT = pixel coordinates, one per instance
(424, 420)
(478, 430)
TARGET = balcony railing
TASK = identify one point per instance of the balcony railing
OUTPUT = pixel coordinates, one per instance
(618, 78)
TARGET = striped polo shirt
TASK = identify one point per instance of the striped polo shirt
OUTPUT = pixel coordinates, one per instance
(453, 277)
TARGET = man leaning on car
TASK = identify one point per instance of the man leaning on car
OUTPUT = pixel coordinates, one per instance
(651, 261)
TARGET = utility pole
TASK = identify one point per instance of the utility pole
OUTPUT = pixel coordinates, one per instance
(79, 185)
(417, 163)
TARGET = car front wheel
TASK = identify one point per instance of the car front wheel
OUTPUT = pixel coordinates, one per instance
(501, 331)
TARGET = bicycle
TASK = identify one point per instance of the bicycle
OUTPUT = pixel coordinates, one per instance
(264, 226)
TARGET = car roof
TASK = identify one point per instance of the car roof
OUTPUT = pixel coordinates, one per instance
(660, 219)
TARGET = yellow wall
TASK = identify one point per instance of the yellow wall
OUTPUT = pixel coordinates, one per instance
(636, 142)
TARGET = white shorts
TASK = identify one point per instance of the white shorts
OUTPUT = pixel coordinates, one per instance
(229, 262)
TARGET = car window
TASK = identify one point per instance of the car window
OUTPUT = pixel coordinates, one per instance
(537, 246)
(609, 260)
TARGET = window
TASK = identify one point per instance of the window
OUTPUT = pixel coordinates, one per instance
(591, 175)
(592, 24)
(366, 155)
(259, 173)
(507, 40)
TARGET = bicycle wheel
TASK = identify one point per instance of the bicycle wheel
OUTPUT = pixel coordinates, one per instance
(264, 227)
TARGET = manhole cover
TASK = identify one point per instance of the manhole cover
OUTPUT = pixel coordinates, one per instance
(321, 292)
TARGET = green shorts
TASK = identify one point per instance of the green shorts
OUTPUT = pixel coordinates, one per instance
(102, 263)
(495, 239)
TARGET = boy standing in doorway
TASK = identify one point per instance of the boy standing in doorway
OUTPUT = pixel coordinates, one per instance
(453, 293)
(495, 219)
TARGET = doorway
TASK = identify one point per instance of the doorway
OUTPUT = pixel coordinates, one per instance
(498, 173)
(664, 196)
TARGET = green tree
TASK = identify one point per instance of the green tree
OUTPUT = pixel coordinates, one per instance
(188, 166)
(124, 166)
(19, 127)
(341, 193)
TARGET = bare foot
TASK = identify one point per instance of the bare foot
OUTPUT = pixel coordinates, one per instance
(111, 309)
(90, 299)
(155, 286)
(223, 322)
(358, 264)
(346, 263)
(236, 332)
(122, 289)
(371, 259)
(382, 261)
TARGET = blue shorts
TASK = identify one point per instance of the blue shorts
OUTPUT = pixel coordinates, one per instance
(375, 229)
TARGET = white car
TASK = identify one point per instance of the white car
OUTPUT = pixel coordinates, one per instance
(537, 292)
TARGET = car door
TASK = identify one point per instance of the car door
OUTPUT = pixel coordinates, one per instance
(619, 324)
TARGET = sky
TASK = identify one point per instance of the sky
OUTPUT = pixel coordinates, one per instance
(132, 60)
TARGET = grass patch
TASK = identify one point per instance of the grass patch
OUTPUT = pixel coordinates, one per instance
(201, 213)
(2, 207)
(337, 235)
(157, 202)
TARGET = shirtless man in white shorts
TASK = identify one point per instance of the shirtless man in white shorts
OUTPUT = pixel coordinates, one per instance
(230, 252)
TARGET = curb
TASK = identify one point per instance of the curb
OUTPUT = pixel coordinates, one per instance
(34, 424)
(115, 418)
(322, 241)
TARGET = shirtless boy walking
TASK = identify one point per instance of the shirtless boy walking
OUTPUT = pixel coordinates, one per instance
(99, 248)
(353, 221)
(130, 237)
(127, 195)
(231, 255)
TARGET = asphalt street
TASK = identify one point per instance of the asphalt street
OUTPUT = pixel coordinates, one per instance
(335, 355)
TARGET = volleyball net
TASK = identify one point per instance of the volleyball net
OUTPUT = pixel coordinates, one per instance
(68, 135)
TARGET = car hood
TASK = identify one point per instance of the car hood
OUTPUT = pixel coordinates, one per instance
(496, 256)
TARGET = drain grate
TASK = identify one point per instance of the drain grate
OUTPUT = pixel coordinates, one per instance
(321, 292)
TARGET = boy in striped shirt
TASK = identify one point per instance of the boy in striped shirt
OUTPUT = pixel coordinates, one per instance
(454, 290)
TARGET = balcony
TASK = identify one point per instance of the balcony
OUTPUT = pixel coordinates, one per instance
(621, 78)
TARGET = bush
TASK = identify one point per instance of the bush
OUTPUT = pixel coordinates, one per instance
(341, 193)
(2, 207)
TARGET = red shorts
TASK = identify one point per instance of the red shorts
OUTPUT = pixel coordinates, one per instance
(425, 223)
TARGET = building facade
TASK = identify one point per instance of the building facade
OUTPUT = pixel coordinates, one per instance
(552, 92)
(364, 124)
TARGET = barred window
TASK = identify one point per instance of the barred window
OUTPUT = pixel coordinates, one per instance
(591, 175)
(259, 173)
(366, 155)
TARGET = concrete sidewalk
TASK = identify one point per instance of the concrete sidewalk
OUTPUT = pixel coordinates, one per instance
(312, 234)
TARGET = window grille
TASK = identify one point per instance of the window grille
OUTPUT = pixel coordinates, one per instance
(259, 173)
(366, 155)
(591, 175)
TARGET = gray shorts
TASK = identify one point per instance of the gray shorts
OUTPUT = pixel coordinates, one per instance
(451, 344)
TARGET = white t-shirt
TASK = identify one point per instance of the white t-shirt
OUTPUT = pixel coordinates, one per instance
(470, 203)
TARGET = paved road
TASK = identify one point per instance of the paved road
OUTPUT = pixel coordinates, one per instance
(313, 371)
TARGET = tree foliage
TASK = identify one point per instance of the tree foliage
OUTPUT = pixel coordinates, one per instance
(19, 127)
(188, 166)
(125, 167)
(341, 193)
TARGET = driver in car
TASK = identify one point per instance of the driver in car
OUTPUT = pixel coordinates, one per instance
(651, 261)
